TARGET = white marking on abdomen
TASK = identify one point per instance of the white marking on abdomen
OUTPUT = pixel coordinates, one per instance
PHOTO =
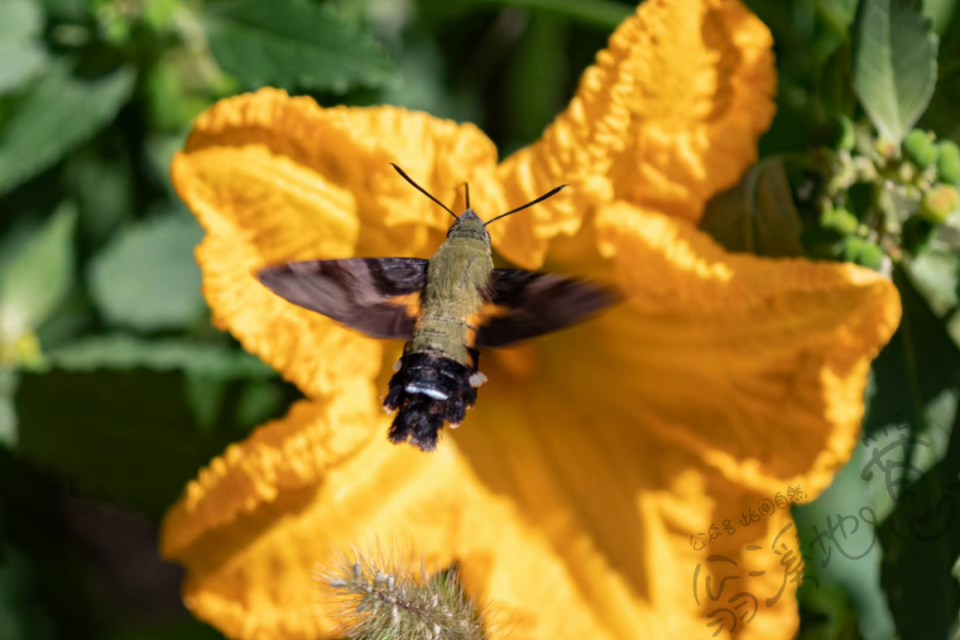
(433, 393)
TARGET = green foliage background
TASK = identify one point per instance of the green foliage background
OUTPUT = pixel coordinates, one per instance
(114, 389)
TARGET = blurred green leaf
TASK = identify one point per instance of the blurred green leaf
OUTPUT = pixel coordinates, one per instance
(940, 13)
(21, 616)
(956, 574)
(259, 401)
(921, 540)
(122, 352)
(205, 395)
(290, 43)
(757, 215)
(936, 275)
(103, 188)
(147, 277)
(941, 115)
(126, 437)
(601, 13)
(838, 13)
(535, 93)
(858, 577)
(895, 64)
(8, 413)
(72, 108)
(20, 19)
(836, 84)
(916, 371)
(36, 277)
(21, 62)
(21, 22)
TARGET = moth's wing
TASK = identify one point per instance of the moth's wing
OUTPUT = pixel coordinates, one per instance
(365, 294)
(531, 304)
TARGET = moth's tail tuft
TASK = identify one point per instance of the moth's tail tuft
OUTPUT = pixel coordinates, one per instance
(428, 391)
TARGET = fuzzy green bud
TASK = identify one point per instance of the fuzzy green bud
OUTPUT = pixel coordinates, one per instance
(852, 247)
(839, 220)
(948, 162)
(919, 148)
(917, 234)
(938, 203)
(838, 134)
(871, 255)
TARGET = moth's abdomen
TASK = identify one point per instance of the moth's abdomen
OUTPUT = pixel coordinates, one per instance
(428, 390)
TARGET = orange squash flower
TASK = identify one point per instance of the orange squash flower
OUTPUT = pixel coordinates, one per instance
(569, 495)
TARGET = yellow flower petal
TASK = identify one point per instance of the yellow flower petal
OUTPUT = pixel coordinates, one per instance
(567, 536)
(613, 505)
(757, 366)
(668, 116)
(254, 526)
(274, 179)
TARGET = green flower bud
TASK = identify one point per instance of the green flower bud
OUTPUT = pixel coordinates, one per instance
(852, 247)
(920, 149)
(948, 162)
(917, 234)
(938, 203)
(838, 134)
(839, 220)
(871, 255)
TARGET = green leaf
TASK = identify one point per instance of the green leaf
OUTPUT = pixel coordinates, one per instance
(21, 62)
(916, 371)
(205, 396)
(839, 14)
(757, 215)
(856, 578)
(290, 43)
(836, 84)
(126, 437)
(921, 540)
(936, 275)
(57, 113)
(20, 20)
(536, 78)
(895, 64)
(940, 13)
(8, 414)
(941, 116)
(103, 188)
(600, 13)
(36, 277)
(916, 378)
(147, 277)
(124, 353)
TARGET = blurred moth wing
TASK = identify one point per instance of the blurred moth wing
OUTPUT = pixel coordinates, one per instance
(379, 297)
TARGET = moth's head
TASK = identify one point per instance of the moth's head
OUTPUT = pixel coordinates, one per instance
(469, 226)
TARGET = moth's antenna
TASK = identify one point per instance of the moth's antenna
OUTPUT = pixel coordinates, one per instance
(466, 185)
(423, 191)
(529, 204)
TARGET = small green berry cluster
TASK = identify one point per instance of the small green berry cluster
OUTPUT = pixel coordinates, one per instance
(870, 202)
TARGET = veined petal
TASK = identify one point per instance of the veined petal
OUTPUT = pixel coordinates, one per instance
(668, 115)
(756, 366)
(253, 528)
(256, 525)
(557, 533)
(274, 179)
(616, 509)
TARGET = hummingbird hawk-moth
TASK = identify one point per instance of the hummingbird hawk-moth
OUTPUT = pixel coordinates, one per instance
(464, 304)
